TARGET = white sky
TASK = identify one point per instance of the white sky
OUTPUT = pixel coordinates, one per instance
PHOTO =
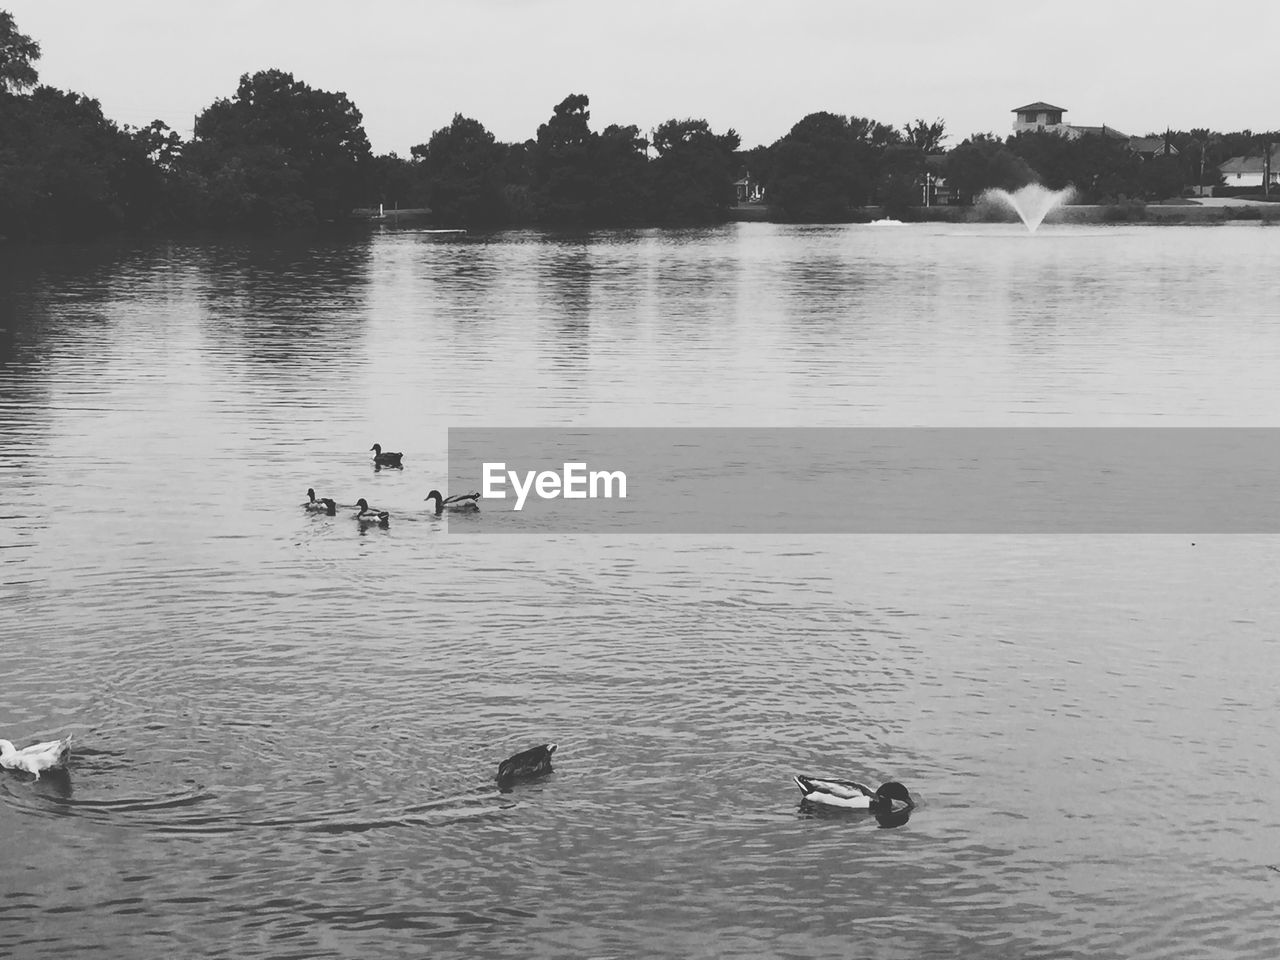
(755, 66)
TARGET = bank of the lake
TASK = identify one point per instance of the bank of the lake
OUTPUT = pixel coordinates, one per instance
(1189, 213)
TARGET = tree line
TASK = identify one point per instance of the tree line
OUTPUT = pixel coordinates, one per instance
(278, 153)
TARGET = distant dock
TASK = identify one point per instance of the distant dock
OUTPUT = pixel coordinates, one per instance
(391, 216)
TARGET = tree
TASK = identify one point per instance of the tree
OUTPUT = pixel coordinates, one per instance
(621, 163)
(983, 162)
(67, 171)
(1161, 177)
(396, 182)
(693, 173)
(826, 165)
(565, 185)
(463, 167)
(18, 54)
(901, 180)
(293, 153)
(902, 166)
(925, 137)
(1101, 167)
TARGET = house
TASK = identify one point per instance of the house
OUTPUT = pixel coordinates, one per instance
(1045, 116)
(748, 190)
(1148, 148)
(1252, 171)
(1038, 116)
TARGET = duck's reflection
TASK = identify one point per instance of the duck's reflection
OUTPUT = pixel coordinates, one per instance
(886, 819)
(55, 784)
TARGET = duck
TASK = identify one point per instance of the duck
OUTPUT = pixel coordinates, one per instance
(387, 459)
(851, 795)
(534, 762)
(321, 505)
(368, 514)
(461, 502)
(51, 755)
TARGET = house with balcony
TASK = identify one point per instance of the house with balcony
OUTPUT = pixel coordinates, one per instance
(1045, 116)
(1038, 116)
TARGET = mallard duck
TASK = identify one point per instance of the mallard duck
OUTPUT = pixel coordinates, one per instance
(851, 795)
(533, 762)
(461, 502)
(321, 505)
(387, 459)
(368, 514)
(51, 755)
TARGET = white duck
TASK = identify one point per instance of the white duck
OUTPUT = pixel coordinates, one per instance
(51, 755)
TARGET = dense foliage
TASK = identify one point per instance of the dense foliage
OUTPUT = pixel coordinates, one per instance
(278, 153)
(275, 154)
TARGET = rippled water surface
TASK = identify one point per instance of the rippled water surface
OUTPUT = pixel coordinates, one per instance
(286, 727)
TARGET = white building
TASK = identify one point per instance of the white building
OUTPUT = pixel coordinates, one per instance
(1250, 171)
(1045, 116)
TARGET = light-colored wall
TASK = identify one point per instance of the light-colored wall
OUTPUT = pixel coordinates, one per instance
(1246, 179)
(1041, 122)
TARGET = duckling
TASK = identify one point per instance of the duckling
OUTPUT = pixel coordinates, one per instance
(51, 755)
(461, 502)
(368, 514)
(387, 459)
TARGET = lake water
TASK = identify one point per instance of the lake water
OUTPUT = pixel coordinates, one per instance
(286, 727)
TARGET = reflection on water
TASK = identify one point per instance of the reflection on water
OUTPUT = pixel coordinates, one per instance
(287, 725)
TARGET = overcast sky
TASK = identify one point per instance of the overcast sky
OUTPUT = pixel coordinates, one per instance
(754, 66)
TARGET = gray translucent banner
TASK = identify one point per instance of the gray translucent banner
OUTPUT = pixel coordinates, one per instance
(869, 480)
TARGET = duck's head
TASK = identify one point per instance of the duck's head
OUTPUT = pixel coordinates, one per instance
(311, 494)
(434, 495)
(376, 448)
(888, 819)
(362, 503)
(891, 791)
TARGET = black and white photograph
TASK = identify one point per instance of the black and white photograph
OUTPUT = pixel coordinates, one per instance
(679, 480)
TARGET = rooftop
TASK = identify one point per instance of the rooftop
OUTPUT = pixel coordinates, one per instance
(1102, 131)
(1253, 164)
(1038, 106)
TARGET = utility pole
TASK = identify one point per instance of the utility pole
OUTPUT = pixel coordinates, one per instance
(1266, 168)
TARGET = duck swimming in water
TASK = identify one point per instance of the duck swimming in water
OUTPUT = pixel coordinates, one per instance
(851, 795)
(387, 459)
(460, 502)
(321, 505)
(368, 514)
(51, 755)
(534, 762)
